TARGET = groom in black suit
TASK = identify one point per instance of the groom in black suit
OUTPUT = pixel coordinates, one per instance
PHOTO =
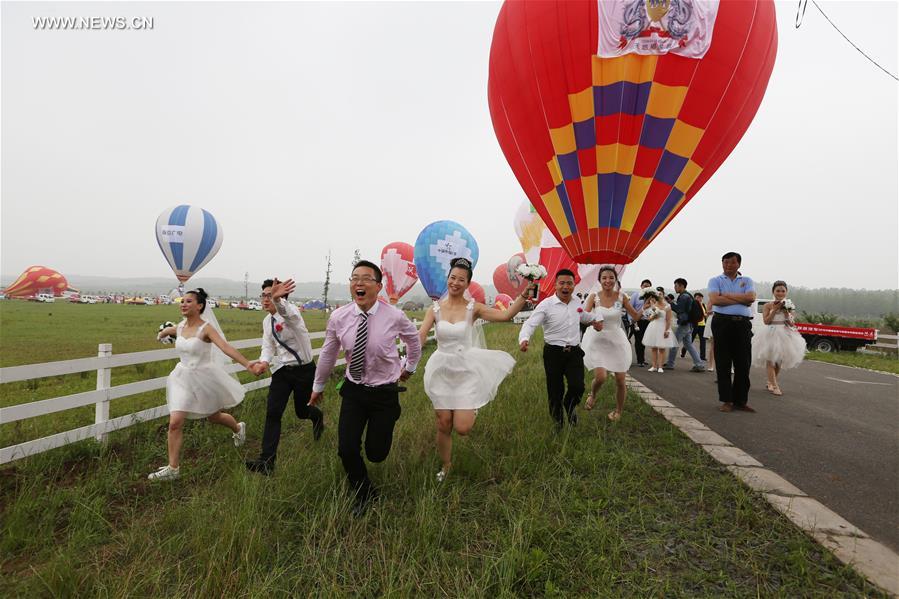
(287, 350)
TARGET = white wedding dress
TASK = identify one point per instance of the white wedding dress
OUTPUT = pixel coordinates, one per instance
(198, 385)
(777, 343)
(460, 376)
(608, 348)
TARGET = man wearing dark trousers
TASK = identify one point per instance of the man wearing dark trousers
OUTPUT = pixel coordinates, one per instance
(683, 328)
(563, 359)
(367, 331)
(731, 296)
(639, 327)
(287, 350)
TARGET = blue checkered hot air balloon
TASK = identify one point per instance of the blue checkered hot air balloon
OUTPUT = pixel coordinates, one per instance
(437, 244)
(189, 237)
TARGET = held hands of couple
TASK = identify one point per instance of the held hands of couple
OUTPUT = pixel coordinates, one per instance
(257, 367)
(524, 346)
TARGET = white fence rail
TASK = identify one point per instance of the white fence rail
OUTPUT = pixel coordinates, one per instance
(101, 396)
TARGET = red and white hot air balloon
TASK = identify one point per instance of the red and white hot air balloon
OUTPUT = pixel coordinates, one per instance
(398, 268)
(477, 292)
(506, 278)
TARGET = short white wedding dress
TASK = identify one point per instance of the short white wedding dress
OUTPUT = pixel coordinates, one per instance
(198, 385)
(608, 348)
(460, 375)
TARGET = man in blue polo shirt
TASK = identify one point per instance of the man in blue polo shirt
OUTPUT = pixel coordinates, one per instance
(731, 295)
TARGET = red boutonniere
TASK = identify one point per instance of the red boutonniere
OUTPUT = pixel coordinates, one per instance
(580, 309)
(279, 327)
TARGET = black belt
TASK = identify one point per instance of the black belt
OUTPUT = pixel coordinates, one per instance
(384, 387)
(562, 347)
(732, 316)
(290, 366)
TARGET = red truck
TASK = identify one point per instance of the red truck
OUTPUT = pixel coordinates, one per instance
(830, 337)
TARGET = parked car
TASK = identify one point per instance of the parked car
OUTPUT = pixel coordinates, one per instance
(88, 299)
(253, 305)
(45, 297)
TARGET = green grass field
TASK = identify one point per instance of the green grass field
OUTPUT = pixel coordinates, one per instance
(607, 509)
(884, 363)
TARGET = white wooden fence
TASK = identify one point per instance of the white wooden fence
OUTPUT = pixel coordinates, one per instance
(104, 393)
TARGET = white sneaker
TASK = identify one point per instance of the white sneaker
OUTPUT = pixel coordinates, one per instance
(165, 473)
(660, 370)
(652, 369)
(441, 476)
(240, 437)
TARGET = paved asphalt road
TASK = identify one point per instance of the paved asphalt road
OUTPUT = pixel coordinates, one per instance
(834, 433)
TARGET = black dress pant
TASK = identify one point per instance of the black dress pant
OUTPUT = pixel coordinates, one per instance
(733, 348)
(286, 380)
(371, 407)
(700, 331)
(563, 364)
(639, 348)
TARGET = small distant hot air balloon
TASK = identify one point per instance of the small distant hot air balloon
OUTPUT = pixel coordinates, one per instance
(398, 267)
(613, 114)
(502, 301)
(35, 280)
(188, 237)
(506, 278)
(437, 244)
(477, 292)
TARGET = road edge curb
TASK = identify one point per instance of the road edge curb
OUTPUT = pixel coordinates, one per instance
(873, 560)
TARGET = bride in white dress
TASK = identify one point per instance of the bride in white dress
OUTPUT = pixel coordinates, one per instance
(608, 349)
(462, 376)
(199, 387)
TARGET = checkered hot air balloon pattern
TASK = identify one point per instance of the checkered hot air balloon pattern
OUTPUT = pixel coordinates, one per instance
(609, 149)
(435, 247)
(189, 237)
(35, 280)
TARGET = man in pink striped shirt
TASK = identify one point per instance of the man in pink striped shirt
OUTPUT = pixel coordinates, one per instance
(367, 331)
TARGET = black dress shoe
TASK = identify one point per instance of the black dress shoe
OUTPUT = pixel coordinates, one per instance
(318, 427)
(260, 466)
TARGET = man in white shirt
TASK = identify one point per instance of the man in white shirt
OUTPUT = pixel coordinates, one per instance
(563, 358)
(287, 350)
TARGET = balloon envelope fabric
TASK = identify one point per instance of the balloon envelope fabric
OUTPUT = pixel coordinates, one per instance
(37, 279)
(188, 237)
(436, 246)
(398, 267)
(609, 150)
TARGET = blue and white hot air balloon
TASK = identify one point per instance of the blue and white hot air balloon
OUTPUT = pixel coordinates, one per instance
(437, 244)
(189, 237)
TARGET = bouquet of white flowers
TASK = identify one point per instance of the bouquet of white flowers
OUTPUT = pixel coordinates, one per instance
(652, 313)
(531, 272)
(162, 327)
(788, 305)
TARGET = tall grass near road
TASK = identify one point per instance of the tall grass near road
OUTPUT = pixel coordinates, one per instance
(606, 509)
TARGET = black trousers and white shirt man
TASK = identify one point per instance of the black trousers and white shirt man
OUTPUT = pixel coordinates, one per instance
(563, 358)
(287, 351)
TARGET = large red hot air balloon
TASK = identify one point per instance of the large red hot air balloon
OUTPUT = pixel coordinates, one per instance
(398, 268)
(614, 113)
(35, 280)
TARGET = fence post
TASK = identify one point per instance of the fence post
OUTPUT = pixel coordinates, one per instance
(104, 378)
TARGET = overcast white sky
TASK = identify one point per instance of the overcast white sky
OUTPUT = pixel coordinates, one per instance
(310, 127)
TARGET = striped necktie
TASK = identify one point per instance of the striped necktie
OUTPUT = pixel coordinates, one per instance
(357, 362)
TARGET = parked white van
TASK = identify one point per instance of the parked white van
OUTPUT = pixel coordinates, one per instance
(46, 297)
(88, 299)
